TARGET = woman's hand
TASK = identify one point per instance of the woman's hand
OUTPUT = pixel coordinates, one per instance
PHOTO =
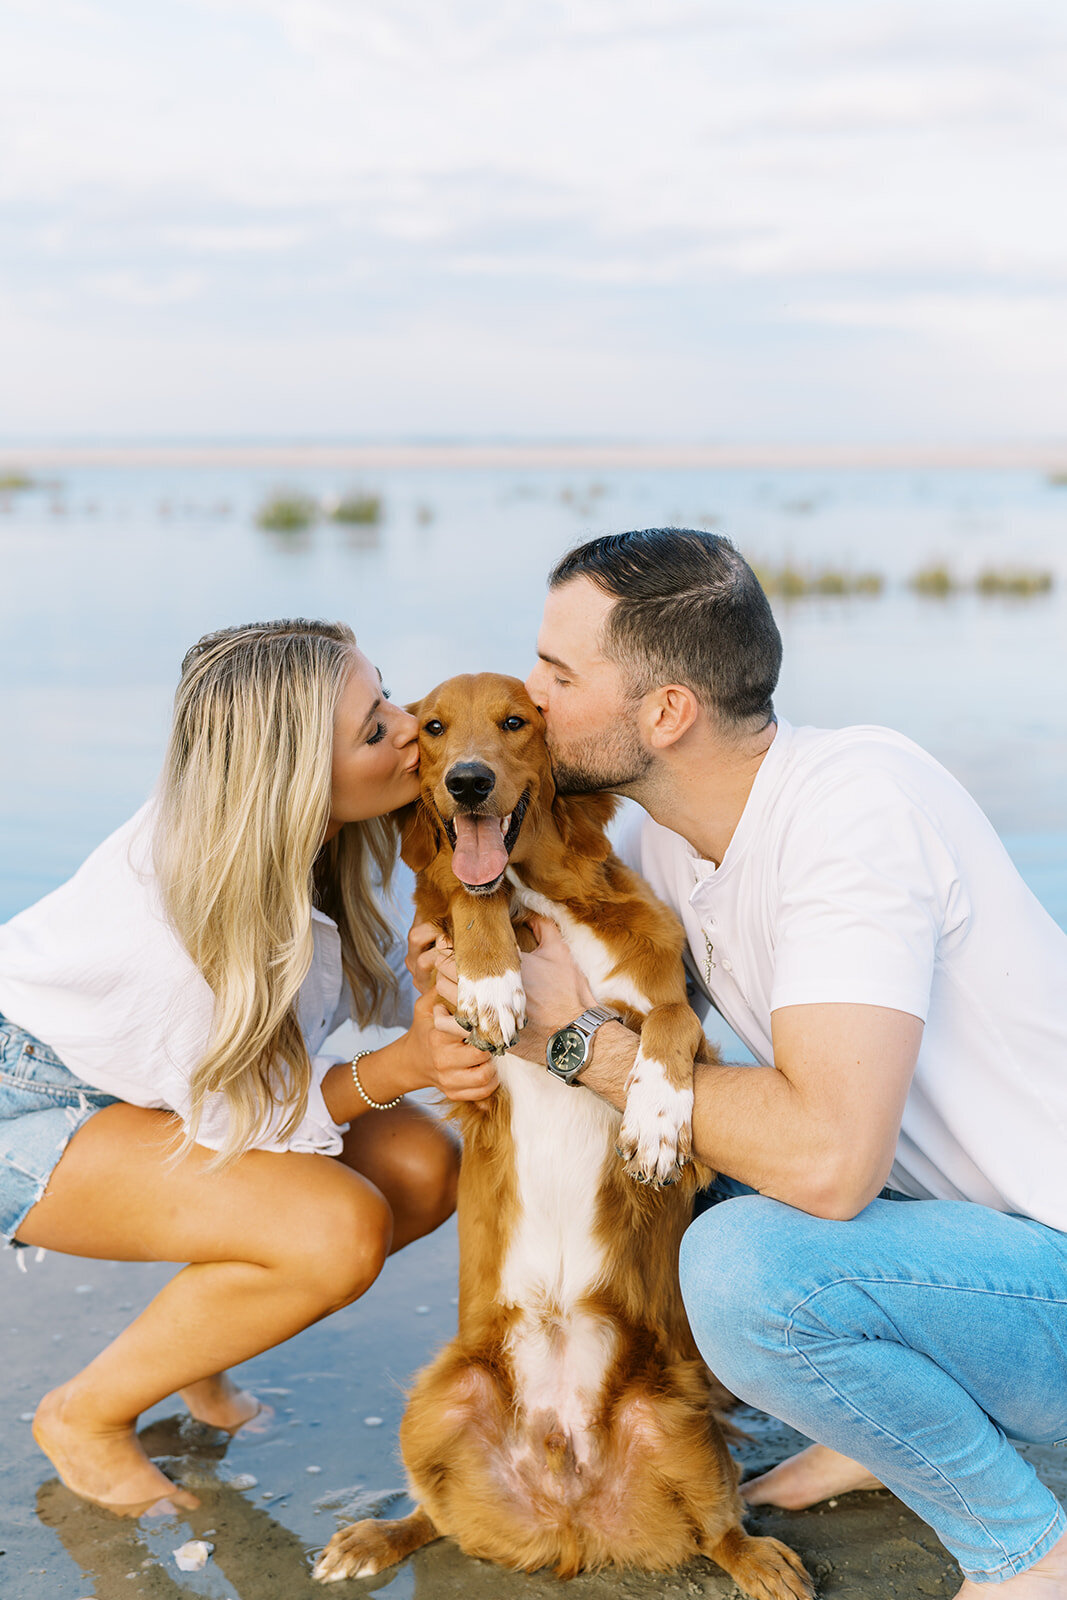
(447, 1061)
(421, 957)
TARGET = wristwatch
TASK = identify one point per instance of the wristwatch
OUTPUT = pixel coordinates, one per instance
(568, 1049)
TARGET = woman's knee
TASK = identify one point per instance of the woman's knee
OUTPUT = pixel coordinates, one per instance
(415, 1163)
(434, 1175)
(337, 1241)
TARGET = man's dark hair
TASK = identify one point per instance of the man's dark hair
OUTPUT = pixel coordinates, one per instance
(688, 609)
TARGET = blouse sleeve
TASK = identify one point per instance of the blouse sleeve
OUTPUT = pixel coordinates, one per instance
(315, 1134)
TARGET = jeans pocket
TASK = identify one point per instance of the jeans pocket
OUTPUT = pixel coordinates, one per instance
(32, 1077)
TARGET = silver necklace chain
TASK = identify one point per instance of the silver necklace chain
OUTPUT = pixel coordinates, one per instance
(709, 948)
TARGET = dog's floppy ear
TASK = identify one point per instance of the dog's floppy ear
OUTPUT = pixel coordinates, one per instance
(420, 840)
(581, 820)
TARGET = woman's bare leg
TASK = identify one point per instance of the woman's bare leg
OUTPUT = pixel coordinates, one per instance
(274, 1243)
(413, 1160)
(219, 1402)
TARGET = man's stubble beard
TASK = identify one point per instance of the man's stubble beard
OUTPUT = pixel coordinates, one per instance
(615, 764)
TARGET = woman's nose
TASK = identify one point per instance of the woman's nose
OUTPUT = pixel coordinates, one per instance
(408, 727)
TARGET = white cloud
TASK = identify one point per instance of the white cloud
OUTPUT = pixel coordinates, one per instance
(685, 175)
(137, 289)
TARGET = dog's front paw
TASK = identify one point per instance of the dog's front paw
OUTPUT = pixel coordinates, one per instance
(492, 1010)
(361, 1550)
(656, 1138)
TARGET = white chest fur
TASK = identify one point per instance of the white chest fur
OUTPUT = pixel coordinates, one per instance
(562, 1139)
(560, 1351)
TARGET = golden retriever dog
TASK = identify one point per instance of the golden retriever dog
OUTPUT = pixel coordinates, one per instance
(570, 1423)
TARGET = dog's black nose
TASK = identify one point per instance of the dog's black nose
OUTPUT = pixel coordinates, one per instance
(470, 782)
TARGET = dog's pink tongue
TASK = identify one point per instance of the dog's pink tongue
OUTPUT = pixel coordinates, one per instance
(479, 856)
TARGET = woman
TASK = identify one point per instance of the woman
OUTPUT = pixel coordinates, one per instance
(182, 983)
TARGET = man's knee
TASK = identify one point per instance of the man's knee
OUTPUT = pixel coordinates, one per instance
(737, 1283)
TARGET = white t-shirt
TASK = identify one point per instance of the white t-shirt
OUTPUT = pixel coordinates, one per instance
(862, 872)
(96, 971)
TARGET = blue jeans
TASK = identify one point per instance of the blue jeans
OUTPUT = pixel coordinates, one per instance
(918, 1338)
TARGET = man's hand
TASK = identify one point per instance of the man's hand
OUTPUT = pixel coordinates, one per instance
(556, 990)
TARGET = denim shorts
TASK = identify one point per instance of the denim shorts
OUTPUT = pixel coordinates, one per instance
(41, 1106)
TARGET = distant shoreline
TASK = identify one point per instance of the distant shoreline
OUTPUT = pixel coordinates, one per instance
(1050, 458)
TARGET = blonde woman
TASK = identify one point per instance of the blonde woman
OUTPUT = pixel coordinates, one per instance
(162, 1092)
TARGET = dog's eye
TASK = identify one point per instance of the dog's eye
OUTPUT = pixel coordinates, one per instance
(513, 724)
(433, 728)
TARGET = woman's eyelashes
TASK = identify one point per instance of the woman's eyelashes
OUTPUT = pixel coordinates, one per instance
(378, 735)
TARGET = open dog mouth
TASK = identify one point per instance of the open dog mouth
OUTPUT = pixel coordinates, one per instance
(481, 846)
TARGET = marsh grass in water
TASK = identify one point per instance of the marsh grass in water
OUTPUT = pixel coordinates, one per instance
(1019, 583)
(1014, 581)
(13, 479)
(937, 581)
(287, 511)
(796, 583)
(357, 508)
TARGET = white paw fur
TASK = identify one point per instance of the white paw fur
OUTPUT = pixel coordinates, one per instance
(655, 1140)
(493, 1008)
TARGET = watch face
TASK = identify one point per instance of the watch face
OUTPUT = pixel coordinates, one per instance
(567, 1050)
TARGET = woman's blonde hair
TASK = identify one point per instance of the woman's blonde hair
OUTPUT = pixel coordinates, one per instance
(238, 849)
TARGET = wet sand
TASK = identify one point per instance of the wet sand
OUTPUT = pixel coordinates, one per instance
(321, 1462)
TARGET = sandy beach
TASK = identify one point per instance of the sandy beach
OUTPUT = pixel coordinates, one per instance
(272, 1498)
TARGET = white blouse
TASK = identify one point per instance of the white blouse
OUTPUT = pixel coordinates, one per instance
(96, 972)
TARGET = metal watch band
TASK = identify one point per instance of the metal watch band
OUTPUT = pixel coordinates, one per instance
(591, 1019)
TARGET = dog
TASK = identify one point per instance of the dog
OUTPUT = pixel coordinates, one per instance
(571, 1422)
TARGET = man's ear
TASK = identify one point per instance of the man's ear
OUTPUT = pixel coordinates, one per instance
(668, 714)
(581, 820)
(420, 838)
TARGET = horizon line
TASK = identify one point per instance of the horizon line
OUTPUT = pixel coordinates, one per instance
(1048, 456)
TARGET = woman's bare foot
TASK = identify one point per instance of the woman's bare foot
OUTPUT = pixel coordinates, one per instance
(221, 1404)
(99, 1461)
(814, 1474)
(1045, 1580)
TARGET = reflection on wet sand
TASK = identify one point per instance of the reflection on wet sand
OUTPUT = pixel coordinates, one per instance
(260, 1558)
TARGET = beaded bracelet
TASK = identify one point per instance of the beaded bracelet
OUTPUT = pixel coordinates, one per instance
(375, 1105)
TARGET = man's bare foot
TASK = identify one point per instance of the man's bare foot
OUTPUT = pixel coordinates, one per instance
(101, 1462)
(814, 1474)
(221, 1404)
(1045, 1580)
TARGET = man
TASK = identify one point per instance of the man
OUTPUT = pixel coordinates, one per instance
(852, 914)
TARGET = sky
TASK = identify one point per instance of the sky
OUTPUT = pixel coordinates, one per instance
(799, 221)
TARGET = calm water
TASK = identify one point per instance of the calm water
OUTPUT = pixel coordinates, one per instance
(107, 579)
(109, 574)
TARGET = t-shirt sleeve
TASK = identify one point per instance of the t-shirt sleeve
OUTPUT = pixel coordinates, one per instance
(865, 878)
